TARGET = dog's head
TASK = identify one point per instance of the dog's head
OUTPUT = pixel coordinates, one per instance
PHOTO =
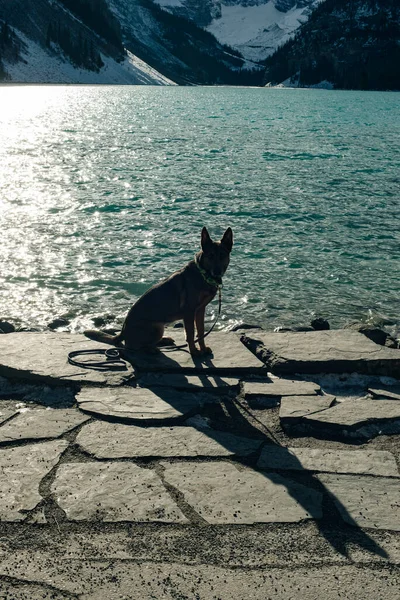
(215, 255)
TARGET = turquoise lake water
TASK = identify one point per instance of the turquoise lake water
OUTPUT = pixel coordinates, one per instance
(104, 191)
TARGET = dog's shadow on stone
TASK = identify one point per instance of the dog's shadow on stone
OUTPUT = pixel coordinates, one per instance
(301, 485)
(172, 360)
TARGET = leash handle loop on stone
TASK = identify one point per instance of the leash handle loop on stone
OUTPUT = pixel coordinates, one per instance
(113, 360)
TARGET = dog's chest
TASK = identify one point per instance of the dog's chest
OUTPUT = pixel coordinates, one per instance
(204, 298)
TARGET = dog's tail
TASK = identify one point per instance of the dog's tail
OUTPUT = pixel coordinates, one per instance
(105, 338)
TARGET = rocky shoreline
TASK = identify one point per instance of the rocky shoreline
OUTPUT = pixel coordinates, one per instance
(280, 452)
(109, 322)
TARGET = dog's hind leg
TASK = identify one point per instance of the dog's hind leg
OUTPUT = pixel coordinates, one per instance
(142, 335)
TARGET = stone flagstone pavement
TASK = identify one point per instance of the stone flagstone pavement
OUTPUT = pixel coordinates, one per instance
(181, 479)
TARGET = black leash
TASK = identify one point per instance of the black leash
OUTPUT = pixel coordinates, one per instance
(113, 356)
(113, 360)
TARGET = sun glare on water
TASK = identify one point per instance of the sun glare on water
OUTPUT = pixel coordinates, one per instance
(31, 118)
(27, 105)
(25, 113)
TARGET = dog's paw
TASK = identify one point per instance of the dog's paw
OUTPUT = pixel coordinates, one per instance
(166, 341)
(206, 350)
(195, 352)
(151, 350)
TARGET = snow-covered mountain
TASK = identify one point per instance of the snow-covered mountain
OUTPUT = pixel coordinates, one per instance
(177, 47)
(253, 27)
(37, 65)
(47, 41)
(111, 41)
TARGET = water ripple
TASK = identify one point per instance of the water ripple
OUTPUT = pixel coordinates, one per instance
(104, 191)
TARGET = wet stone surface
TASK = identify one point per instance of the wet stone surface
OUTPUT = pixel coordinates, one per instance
(393, 393)
(294, 408)
(362, 418)
(42, 357)
(279, 388)
(333, 351)
(225, 493)
(112, 492)
(139, 404)
(365, 501)
(41, 424)
(21, 471)
(366, 462)
(113, 440)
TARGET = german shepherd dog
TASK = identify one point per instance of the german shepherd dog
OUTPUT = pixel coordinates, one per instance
(184, 295)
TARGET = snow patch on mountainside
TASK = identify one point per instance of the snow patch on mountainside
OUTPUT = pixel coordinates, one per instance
(256, 31)
(292, 83)
(254, 27)
(39, 65)
(145, 73)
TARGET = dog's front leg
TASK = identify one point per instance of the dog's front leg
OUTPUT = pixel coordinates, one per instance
(188, 321)
(199, 318)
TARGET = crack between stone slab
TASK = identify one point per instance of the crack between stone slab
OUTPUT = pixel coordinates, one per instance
(32, 378)
(76, 454)
(72, 433)
(269, 436)
(179, 499)
(293, 565)
(42, 584)
(26, 442)
(31, 514)
(71, 375)
(69, 436)
(52, 512)
(10, 418)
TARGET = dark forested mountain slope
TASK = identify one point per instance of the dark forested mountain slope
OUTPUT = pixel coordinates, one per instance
(74, 31)
(354, 44)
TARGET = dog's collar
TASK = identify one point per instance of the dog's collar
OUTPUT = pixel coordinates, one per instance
(206, 276)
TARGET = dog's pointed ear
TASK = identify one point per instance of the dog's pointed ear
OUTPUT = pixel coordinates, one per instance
(205, 239)
(227, 239)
